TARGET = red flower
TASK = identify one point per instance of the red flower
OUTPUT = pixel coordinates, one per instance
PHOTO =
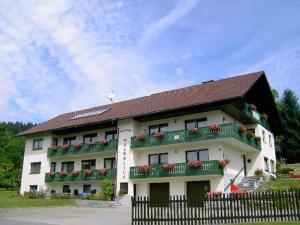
(168, 167)
(63, 174)
(257, 138)
(145, 169)
(88, 172)
(104, 142)
(50, 174)
(75, 173)
(215, 127)
(141, 137)
(294, 175)
(65, 146)
(195, 164)
(223, 163)
(242, 129)
(76, 146)
(264, 116)
(53, 148)
(213, 194)
(102, 171)
(193, 130)
(159, 135)
(252, 107)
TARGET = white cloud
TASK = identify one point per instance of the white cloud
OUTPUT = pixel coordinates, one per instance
(156, 28)
(179, 71)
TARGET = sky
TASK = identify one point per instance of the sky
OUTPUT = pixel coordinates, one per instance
(59, 56)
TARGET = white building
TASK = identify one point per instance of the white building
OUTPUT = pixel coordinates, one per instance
(156, 130)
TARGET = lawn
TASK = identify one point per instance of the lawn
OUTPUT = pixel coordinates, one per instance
(9, 199)
(281, 184)
(295, 166)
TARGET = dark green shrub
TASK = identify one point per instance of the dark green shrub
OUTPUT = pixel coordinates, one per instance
(107, 190)
(285, 170)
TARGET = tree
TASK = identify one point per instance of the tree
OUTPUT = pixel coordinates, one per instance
(289, 110)
(4, 136)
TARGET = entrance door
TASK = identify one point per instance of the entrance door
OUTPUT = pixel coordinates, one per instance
(159, 191)
(196, 190)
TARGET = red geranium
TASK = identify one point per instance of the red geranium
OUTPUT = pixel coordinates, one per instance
(294, 175)
(53, 148)
(168, 167)
(75, 173)
(88, 172)
(145, 169)
(65, 146)
(193, 130)
(102, 171)
(242, 129)
(63, 174)
(215, 127)
(141, 137)
(159, 135)
(50, 174)
(195, 164)
(257, 138)
(223, 163)
(213, 194)
(104, 142)
(76, 146)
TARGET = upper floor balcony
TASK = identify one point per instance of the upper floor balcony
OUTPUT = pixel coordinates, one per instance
(78, 149)
(232, 133)
(176, 170)
(81, 176)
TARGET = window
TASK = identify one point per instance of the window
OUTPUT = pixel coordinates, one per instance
(54, 142)
(70, 141)
(109, 163)
(35, 168)
(89, 138)
(37, 144)
(33, 187)
(264, 136)
(270, 140)
(66, 189)
(272, 166)
(124, 187)
(86, 188)
(67, 166)
(158, 159)
(53, 167)
(201, 154)
(88, 164)
(158, 128)
(111, 135)
(266, 162)
(195, 123)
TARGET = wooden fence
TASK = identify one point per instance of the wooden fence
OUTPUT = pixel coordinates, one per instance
(218, 209)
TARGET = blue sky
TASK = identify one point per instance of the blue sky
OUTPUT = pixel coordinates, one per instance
(58, 56)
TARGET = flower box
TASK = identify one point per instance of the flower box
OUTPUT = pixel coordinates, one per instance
(76, 146)
(102, 171)
(63, 174)
(53, 148)
(75, 173)
(264, 116)
(224, 163)
(141, 138)
(104, 142)
(168, 167)
(195, 164)
(159, 135)
(193, 130)
(215, 128)
(88, 172)
(51, 175)
(242, 129)
(252, 107)
(65, 147)
(145, 169)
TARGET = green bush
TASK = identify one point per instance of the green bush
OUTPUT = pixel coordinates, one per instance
(107, 190)
(259, 173)
(285, 170)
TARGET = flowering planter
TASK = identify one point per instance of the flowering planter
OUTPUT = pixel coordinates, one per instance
(88, 172)
(141, 138)
(102, 172)
(194, 130)
(103, 142)
(53, 148)
(76, 146)
(75, 173)
(63, 174)
(224, 163)
(145, 169)
(168, 167)
(215, 128)
(159, 135)
(195, 164)
(65, 147)
(257, 138)
(242, 129)
(213, 195)
(51, 175)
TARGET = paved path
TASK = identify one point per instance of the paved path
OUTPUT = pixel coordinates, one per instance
(65, 216)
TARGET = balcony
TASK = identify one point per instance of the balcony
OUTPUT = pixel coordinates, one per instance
(95, 176)
(180, 169)
(230, 130)
(112, 145)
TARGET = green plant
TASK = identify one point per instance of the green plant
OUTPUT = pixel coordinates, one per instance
(107, 190)
(285, 171)
(259, 173)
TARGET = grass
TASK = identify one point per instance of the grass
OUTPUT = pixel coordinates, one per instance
(295, 166)
(282, 184)
(10, 199)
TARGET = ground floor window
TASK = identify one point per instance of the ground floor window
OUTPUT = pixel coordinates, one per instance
(86, 188)
(266, 162)
(196, 190)
(200, 154)
(33, 187)
(66, 189)
(272, 166)
(124, 187)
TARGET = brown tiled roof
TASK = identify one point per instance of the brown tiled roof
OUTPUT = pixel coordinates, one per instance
(200, 94)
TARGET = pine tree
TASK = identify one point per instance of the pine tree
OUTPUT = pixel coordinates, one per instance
(290, 114)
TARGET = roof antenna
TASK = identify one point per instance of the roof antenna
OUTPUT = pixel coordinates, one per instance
(110, 96)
